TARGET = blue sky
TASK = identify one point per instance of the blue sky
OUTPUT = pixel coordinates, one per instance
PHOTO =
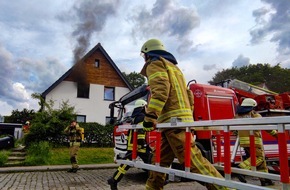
(39, 39)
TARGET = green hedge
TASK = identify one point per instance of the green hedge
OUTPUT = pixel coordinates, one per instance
(96, 135)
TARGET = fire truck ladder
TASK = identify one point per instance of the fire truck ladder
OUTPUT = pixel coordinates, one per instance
(282, 124)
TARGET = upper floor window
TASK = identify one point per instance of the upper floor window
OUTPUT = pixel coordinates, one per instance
(83, 90)
(97, 63)
(109, 93)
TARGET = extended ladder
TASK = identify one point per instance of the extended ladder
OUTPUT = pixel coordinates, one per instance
(282, 124)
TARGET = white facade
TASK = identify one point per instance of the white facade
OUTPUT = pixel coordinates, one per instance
(94, 108)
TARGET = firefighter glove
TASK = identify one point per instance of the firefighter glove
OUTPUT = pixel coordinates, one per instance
(148, 126)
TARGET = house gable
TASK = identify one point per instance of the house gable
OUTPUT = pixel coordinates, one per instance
(107, 74)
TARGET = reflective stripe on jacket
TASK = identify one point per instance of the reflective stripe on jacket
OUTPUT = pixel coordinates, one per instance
(245, 135)
(169, 94)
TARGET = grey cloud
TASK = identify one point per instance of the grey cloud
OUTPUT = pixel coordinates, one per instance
(10, 91)
(187, 46)
(30, 27)
(6, 72)
(241, 61)
(23, 75)
(259, 15)
(37, 75)
(208, 67)
(165, 18)
(278, 24)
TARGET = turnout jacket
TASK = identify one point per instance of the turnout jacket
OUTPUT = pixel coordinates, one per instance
(245, 135)
(74, 133)
(169, 95)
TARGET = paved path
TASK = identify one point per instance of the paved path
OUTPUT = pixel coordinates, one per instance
(89, 177)
(84, 179)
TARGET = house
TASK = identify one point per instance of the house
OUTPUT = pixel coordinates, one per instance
(90, 86)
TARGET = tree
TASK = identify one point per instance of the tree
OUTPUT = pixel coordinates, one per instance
(20, 116)
(135, 79)
(41, 101)
(277, 79)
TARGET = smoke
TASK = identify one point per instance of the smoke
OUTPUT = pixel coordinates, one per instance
(241, 61)
(92, 16)
(165, 18)
(89, 18)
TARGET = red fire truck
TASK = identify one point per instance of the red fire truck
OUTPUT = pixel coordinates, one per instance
(210, 103)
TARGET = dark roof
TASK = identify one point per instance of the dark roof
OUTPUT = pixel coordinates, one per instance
(66, 74)
(10, 125)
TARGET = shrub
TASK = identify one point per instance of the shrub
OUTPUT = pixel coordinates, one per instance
(37, 153)
(49, 124)
(3, 157)
(98, 135)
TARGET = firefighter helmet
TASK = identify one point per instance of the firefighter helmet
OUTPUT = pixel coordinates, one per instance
(249, 102)
(152, 44)
(140, 103)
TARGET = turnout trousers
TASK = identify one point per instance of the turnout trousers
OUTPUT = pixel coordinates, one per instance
(123, 168)
(173, 145)
(260, 160)
(73, 152)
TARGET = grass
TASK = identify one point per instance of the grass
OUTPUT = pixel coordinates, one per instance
(4, 157)
(60, 156)
(37, 154)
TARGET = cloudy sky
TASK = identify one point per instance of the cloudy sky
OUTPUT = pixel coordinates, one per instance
(40, 40)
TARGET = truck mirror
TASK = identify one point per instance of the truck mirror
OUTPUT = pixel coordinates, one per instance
(112, 121)
(112, 111)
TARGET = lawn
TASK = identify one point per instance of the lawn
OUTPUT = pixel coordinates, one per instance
(60, 156)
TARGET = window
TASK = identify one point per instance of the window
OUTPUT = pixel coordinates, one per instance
(81, 118)
(97, 63)
(83, 90)
(109, 93)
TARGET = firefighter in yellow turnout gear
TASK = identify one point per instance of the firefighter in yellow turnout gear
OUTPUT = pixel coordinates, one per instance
(137, 117)
(170, 98)
(246, 111)
(75, 132)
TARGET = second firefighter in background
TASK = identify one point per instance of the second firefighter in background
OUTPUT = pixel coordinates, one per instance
(137, 117)
(246, 110)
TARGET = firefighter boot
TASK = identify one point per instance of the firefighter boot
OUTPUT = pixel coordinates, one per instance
(241, 177)
(72, 170)
(266, 182)
(113, 184)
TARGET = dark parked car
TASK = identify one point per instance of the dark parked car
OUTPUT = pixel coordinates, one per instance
(7, 142)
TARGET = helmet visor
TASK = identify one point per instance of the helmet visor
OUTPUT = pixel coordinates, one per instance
(142, 55)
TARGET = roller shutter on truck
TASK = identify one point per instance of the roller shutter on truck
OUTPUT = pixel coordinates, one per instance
(212, 103)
